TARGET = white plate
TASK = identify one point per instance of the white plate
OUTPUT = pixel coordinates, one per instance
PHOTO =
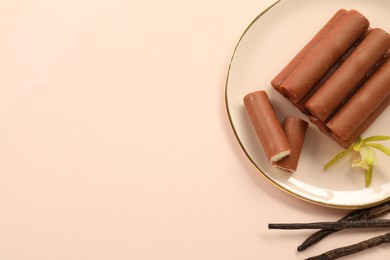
(265, 47)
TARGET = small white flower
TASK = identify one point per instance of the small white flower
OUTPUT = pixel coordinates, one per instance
(367, 158)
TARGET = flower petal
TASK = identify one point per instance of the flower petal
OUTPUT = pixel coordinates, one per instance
(337, 157)
(380, 147)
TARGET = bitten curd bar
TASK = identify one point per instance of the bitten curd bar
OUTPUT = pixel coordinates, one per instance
(267, 126)
(295, 130)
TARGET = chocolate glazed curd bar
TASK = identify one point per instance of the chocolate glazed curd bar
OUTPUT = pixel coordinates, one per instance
(291, 66)
(342, 80)
(325, 54)
(342, 83)
(295, 129)
(322, 124)
(301, 105)
(267, 126)
(373, 116)
(362, 104)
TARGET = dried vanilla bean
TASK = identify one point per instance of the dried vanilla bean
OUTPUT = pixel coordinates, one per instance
(369, 223)
(355, 248)
(368, 213)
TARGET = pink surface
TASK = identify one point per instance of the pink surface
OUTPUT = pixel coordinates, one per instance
(115, 142)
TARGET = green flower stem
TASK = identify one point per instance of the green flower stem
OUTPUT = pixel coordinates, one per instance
(368, 175)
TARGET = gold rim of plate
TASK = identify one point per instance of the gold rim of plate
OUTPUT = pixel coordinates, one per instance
(339, 206)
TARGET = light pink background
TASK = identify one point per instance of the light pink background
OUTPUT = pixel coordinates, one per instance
(115, 142)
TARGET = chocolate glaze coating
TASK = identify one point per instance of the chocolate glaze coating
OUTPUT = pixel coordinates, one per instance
(267, 126)
(321, 125)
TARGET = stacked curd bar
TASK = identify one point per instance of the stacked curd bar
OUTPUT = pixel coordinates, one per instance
(341, 77)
